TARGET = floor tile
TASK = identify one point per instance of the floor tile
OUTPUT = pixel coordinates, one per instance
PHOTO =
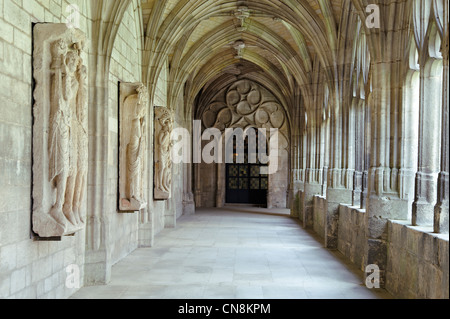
(234, 253)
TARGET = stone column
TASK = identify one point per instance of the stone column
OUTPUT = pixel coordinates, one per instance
(295, 149)
(312, 185)
(384, 202)
(147, 220)
(198, 185)
(359, 152)
(98, 260)
(389, 46)
(340, 174)
(301, 161)
(367, 148)
(429, 144)
(409, 141)
(221, 187)
(441, 221)
(188, 196)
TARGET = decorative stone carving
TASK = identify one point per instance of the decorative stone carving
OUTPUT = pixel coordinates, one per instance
(60, 131)
(163, 148)
(132, 153)
(246, 105)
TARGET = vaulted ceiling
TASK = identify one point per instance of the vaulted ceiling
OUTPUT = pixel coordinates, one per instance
(280, 42)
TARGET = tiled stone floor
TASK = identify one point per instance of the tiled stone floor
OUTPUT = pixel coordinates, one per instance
(234, 253)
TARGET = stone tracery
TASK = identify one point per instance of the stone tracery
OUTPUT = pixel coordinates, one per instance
(245, 105)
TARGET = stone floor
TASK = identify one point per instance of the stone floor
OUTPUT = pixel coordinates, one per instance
(234, 253)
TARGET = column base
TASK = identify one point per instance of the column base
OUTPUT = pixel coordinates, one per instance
(97, 269)
(422, 214)
(441, 221)
(189, 208)
(146, 238)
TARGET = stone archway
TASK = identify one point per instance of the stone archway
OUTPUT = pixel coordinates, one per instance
(245, 104)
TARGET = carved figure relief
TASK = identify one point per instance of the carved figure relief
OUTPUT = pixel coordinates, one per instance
(163, 148)
(60, 131)
(133, 133)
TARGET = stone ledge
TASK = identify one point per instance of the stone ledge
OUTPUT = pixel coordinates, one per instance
(356, 208)
(422, 229)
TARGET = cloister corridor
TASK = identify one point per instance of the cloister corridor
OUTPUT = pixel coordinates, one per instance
(236, 252)
(138, 138)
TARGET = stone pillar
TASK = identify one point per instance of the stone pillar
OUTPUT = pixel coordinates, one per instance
(146, 233)
(386, 103)
(366, 150)
(409, 140)
(296, 211)
(441, 221)
(429, 144)
(188, 196)
(98, 260)
(359, 153)
(221, 187)
(313, 173)
(341, 172)
(198, 185)
(292, 172)
(384, 202)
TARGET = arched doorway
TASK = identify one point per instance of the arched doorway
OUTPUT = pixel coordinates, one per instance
(245, 105)
(247, 181)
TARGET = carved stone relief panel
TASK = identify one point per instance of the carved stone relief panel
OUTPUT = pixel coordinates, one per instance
(133, 146)
(163, 146)
(60, 131)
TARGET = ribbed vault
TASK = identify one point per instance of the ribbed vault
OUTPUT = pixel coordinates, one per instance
(203, 39)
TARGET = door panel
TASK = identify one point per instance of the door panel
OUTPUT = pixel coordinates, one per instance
(245, 184)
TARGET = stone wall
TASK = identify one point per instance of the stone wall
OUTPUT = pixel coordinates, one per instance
(319, 215)
(125, 67)
(417, 262)
(164, 212)
(28, 268)
(352, 234)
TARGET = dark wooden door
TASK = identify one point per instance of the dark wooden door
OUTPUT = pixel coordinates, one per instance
(246, 184)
